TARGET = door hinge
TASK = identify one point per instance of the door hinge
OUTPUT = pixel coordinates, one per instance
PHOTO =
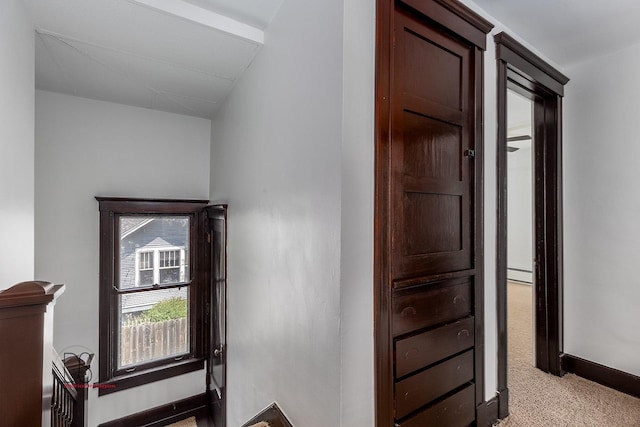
(208, 237)
(218, 352)
(471, 154)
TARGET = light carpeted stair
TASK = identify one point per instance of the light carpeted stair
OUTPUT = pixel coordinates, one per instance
(189, 422)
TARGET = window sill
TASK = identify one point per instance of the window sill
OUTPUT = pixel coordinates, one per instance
(148, 376)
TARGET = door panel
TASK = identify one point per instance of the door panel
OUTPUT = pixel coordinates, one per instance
(419, 49)
(429, 347)
(430, 305)
(432, 148)
(412, 393)
(430, 176)
(455, 411)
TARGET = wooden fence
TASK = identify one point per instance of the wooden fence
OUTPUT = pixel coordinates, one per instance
(154, 340)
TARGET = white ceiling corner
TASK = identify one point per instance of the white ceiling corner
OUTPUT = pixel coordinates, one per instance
(570, 31)
(170, 55)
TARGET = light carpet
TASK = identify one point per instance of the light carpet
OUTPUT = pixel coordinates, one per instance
(538, 399)
(189, 422)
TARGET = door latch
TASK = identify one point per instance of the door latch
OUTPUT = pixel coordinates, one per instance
(217, 352)
(471, 154)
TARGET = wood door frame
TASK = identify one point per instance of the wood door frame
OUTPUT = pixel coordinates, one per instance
(217, 406)
(521, 70)
(457, 19)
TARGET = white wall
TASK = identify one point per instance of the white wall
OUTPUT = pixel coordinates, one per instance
(87, 148)
(601, 211)
(520, 214)
(16, 144)
(276, 147)
(268, 144)
(356, 272)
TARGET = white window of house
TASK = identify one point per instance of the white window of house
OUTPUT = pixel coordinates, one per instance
(160, 266)
(144, 268)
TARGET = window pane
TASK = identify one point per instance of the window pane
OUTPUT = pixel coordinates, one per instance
(154, 325)
(169, 275)
(151, 244)
(146, 278)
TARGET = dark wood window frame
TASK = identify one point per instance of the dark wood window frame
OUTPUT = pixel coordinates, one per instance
(111, 379)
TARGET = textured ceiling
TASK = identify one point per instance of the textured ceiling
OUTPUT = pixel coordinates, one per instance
(169, 55)
(570, 31)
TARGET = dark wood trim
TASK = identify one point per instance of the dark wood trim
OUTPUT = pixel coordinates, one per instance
(456, 17)
(216, 278)
(468, 15)
(148, 376)
(194, 406)
(501, 223)
(487, 413)
(540, 207)
(148, 206)
(77, 368)
(520, 70)
(601, 374)
(552, 194)
(537, 69)
(503, 403)
(106, 315)
(26, 333)
(382, 297)
(478, 170)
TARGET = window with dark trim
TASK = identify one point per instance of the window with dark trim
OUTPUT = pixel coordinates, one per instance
(152, 290)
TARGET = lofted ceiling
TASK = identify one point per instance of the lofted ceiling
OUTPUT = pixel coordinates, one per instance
(180, 56)
(185, 56)
(570, 31)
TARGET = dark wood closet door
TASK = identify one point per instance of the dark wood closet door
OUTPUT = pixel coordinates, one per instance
(428, 218)
(432, 175)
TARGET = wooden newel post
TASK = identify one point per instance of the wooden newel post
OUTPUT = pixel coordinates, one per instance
(78, 368)
(26, 337)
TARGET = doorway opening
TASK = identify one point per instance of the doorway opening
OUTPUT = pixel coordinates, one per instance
(520, 149)
(525, 74)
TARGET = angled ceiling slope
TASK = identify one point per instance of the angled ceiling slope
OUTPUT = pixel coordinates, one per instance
(170, 55)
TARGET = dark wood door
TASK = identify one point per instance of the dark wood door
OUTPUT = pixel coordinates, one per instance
(431, 161)
(428, 217)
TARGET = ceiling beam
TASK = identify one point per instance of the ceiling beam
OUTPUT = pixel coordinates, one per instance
(205, 17)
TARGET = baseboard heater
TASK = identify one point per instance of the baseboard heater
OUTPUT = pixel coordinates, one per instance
(520, 275)
(271, 416)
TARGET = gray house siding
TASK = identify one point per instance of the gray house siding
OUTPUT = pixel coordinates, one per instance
(143, 233)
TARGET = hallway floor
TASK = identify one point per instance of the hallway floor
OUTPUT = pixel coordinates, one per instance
(540, 399)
